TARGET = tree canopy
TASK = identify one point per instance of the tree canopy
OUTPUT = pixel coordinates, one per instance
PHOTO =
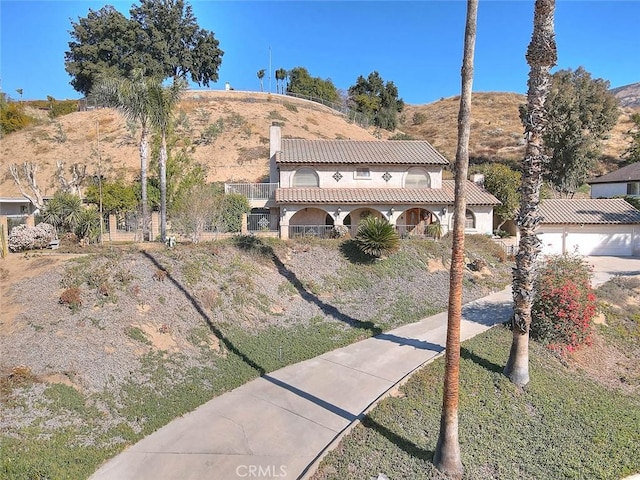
(302, 83)
(377, 100)
(632, 154)
(503, 183)
(580, 111)
(162, 37)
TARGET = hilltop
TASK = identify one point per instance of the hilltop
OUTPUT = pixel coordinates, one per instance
(228, 132)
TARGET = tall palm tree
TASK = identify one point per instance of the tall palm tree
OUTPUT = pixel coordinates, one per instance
(541, 56)
(260, 77)
(446, 457)
(132, 98)
(162, 102)
(281, 74)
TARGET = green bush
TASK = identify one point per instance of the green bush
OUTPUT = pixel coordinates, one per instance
(564, 304)
(57, 108)
(234, 205)
(13, 117)
(376, 237)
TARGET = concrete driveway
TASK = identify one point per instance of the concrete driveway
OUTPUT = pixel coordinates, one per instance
(605, 268)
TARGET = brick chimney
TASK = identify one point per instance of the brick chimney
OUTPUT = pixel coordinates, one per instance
(275, 145)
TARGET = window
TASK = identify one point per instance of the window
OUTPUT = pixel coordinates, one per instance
(417, 178)
(633, 188)
(469, 220)
(306, 177)
(363, 173)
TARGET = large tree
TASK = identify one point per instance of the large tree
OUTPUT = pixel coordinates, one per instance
(541, 56)
(446, 457)
(162, 37)
(133, 98)
(301, 83)
(580, 112)
(632, 153)
(504, 184)
(377, 100)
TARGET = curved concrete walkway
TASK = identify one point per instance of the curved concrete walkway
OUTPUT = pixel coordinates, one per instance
(279, 425)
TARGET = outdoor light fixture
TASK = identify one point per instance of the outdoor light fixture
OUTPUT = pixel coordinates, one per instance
(338, 211)
(444, 210)
(284, 210)
(391, 210)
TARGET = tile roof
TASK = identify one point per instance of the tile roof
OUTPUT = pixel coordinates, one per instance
(588, 211)
(372, 152)
(372, 196)
(624, 174)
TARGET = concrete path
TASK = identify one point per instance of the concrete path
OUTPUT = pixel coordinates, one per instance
(279, 425)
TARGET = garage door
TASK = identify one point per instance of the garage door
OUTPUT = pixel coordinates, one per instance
(615, 240)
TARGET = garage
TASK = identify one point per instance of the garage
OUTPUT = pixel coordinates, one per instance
(589, 227)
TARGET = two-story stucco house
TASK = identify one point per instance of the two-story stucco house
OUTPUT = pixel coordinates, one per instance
(317, 184)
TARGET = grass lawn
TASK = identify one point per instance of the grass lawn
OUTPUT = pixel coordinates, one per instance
(562, 425)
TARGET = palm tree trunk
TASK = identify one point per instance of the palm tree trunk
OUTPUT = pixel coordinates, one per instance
(144, 155)
(446, 457)
(163, 187)
(541, 56)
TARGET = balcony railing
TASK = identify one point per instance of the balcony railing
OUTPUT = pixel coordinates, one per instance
(262, 222)
(320, 231)
(253, 191)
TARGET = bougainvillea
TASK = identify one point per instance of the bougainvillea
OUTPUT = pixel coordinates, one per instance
(23, 237)
(564, 305)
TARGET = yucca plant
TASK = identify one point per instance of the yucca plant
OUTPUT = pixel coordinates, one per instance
(376, 237)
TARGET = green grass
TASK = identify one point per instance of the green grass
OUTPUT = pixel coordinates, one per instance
(561, 425)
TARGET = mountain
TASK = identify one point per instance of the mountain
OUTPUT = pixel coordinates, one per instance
(628, 95)
(228, 132)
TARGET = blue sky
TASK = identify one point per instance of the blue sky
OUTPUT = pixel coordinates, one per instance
(416, 44)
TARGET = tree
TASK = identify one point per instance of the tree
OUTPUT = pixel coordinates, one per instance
(116, 197)
(78, 175)
(446, 457)
(104, 44)
(281, 74)
(541, 56)
(504, 184)
(132, 97)
(162, 102)
(302, 83)
(260, 77)
(173, 42)
(580, 112)
(377, 100)
(162, 37)
(29, 170)
(632, 153)
(198, 208)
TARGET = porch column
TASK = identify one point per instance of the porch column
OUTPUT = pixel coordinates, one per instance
(155, 225)
(113, 226)
(30, 221)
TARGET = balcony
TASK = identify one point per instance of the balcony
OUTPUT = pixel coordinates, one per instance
(260, 195)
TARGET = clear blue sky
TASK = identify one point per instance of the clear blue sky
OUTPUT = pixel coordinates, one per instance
(417, 45)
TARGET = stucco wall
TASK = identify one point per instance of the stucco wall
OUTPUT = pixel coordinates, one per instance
(608, 190)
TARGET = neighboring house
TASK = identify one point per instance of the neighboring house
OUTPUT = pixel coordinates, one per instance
(316, 184)
(608, 226)
(624, 181)
(15, 206)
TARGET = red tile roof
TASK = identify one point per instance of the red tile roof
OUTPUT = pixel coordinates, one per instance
(372, 152)
(588, 211)
(372, 196)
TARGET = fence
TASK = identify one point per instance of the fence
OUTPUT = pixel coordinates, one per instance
(320, 231)
(262, 222)
(253, 191)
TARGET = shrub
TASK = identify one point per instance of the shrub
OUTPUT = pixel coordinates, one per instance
(13, 117)
(564, 304)
(23, 237)
(71, 298)
(233, 206)
(419, 118)
(339, 231)
(376, 237)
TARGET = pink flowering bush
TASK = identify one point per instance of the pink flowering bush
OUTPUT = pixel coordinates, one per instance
(564, 305)
(23, 237)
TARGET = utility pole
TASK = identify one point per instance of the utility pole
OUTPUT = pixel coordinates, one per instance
(100, 181)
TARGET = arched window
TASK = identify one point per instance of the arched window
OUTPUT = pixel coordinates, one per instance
(417, 178)
(306, 177)
(469, 219)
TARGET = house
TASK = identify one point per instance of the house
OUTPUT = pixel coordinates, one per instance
(16, 206)
(624, 181)
(607, 226)
(318, 184)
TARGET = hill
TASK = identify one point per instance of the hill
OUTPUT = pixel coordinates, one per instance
(227, 131)
(628, 95)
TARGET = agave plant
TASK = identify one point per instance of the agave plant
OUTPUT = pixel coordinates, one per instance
(376, 237)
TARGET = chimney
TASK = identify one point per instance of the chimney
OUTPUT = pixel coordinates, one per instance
(275, 145)
(478, 179)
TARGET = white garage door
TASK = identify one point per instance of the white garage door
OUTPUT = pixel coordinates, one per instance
(588, 240)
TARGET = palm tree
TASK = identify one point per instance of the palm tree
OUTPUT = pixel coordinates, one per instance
(162, 102)
(281, 74)
(260, 77)
(446, 457)
(541, 56)
(132, 98)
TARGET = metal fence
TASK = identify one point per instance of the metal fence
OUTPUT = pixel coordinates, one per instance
(253, 191)
(320, 231)
(262, 222)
